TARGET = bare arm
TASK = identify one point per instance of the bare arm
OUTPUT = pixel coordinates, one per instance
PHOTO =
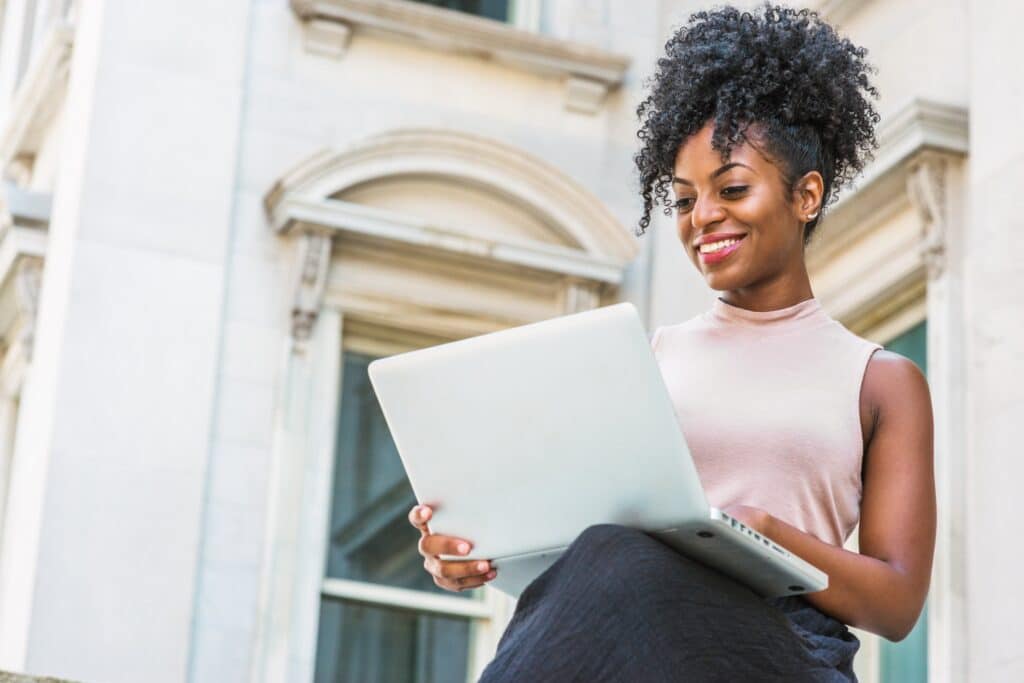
(883, 588)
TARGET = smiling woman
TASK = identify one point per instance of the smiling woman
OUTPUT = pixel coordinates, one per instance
(742, 221)
(797, 427)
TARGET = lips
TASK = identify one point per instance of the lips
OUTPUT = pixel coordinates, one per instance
(722, 254)
(717, 237)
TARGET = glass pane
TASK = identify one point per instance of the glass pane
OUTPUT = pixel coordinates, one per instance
(907, 660)
(360, 643)
(370, 536)
(492, 9)
(913, 344)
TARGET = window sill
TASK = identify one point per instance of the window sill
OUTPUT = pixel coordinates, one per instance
(589, 73)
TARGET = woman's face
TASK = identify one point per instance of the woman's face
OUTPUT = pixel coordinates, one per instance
(744, 199)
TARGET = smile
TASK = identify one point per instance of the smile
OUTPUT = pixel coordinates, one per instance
(718, 251)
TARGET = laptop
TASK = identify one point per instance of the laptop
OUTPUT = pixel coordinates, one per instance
(522, 438)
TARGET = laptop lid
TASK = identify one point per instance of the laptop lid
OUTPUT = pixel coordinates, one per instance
(522, 438)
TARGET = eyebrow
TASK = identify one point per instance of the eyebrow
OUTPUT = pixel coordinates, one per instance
(720, 171)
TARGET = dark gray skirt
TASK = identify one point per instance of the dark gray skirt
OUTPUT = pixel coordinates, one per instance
(619, 605)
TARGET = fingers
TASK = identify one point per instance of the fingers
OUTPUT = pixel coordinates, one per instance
(418, 517)
(457, 570)
(453, 575)
(472, 582)
(459, 575)
(435, 544)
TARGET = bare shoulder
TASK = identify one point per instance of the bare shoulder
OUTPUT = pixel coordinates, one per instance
(889, 373)
(894, 389)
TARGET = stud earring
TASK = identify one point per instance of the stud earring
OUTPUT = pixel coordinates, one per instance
(812, 216)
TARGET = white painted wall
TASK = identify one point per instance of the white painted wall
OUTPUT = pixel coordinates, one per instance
(994, 358)
(128, 344)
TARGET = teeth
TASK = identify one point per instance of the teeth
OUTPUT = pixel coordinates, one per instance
(715, 246)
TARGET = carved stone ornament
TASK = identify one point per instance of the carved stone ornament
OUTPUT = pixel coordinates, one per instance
(314, 261)
(5, 216)
(926, 186)
(27, 279)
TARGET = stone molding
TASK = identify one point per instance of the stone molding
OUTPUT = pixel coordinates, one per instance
(918, 125)
(598, 248)
(402, 232)
(589, 73)
(919, 128)
(918, 147)
(579, 217)
(36, 102)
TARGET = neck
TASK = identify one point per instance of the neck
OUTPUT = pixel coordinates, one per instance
(773, 295)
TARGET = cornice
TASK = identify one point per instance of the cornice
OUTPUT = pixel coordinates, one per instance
(919, 131)
(571, 210)
(36, 101)
(589, 72)
(307, 203)
(375, 225)
(919, 124)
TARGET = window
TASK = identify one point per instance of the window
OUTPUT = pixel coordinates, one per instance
(491, 9)
(381, 616)
(907, 660)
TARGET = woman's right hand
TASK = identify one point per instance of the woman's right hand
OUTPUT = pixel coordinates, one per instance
(452, 575)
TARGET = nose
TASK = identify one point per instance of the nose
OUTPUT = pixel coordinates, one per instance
(707, 210)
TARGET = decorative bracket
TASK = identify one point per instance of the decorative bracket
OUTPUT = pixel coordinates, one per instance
(6, 221)
(326, 38)
(314, 262)
(926, 187)
(579, 296)
(27, 279)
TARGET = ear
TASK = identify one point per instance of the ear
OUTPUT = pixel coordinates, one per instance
(807, 194)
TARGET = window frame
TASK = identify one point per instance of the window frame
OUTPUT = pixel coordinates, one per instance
(488, 612)
(868, 662)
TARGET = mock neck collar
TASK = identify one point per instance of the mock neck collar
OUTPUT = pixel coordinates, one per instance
(807, 312)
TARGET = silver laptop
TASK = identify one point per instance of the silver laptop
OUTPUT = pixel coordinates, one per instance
(522, 438)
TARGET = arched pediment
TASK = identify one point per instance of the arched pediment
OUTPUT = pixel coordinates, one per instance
(551, 208)
(445, 200)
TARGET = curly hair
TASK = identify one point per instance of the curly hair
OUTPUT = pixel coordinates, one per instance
(784, 73)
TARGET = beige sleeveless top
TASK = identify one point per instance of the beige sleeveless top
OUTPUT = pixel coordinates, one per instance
(769, 403)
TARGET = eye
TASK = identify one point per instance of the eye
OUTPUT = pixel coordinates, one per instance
(732, 191)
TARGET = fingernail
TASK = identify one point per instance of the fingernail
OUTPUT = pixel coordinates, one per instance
(423, 513)
(481, 566)
(491, 574)
(463, 548)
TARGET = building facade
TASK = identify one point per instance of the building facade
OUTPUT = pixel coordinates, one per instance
(214, 215)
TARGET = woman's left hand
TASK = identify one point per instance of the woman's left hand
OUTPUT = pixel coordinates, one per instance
(755, 518)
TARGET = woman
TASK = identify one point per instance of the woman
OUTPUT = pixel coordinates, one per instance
(797, 427)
